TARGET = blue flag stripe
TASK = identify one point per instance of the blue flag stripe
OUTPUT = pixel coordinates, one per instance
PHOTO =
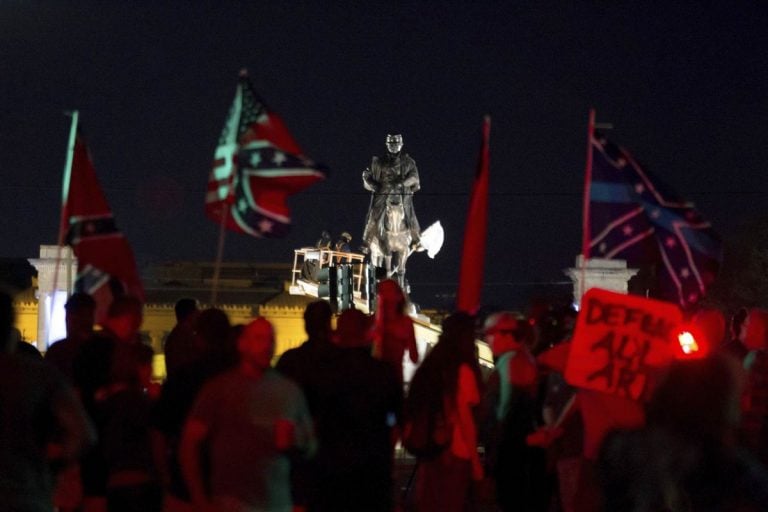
(636, 217)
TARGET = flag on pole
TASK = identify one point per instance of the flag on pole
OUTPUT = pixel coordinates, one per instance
(635, 217)
(106, 267)
(473, 251)
(257, 165)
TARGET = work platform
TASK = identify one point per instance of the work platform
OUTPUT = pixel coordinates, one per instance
(307, 258)
(426, 332)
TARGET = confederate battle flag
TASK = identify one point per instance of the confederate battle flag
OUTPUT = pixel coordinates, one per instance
(257, 165)
(635, 217)
(105, 264)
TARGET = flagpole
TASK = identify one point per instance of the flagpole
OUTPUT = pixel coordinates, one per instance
(66, 177)
(225, 205)
(219, 252)
(586, 235)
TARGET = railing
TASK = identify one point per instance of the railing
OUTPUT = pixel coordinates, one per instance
(329, 258)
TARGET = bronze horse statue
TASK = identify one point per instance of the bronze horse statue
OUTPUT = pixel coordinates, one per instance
(390, 246)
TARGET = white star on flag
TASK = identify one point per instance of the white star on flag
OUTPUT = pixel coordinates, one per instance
(639, 188)
(255, 159)
(279, 158)
(242, 205)
(670, 242)
(685, 272)
(627, 230)
(265, 226)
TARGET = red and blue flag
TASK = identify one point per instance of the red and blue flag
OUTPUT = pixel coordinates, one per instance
(257, 165)
(106, 265)
(635, 217)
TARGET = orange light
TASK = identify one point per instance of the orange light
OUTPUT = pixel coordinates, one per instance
(687, 343)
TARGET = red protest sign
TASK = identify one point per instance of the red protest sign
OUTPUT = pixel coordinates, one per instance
(618, 341)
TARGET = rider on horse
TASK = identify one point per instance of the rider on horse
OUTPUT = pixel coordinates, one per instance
(394, 173)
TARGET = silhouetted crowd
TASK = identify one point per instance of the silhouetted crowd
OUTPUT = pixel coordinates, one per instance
(326, 428)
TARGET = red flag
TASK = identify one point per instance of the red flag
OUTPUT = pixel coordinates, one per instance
(257, 165)
(473, 252)
(106, 266)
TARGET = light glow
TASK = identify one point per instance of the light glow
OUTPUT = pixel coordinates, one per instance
(57, 327)
(687, 343)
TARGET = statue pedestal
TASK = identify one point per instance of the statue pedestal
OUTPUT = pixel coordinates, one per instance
(610, 275)
(54, 286)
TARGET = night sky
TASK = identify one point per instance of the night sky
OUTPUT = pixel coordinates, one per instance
(684, 87)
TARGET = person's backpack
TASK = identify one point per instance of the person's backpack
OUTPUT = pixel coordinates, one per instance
(426, 431)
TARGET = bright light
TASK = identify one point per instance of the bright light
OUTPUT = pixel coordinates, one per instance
(687, 343)
(57, 327)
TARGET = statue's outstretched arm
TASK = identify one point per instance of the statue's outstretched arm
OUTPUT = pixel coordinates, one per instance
(369, 183)
(411, 181)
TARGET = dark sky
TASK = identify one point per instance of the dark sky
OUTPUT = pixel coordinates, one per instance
(684, 87)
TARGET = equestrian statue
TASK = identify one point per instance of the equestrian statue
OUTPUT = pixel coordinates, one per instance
(392, 230)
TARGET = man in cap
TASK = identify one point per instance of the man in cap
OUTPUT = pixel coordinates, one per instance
(511, 399)
(506, 333)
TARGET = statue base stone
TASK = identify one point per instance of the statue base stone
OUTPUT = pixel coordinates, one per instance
(610, 275)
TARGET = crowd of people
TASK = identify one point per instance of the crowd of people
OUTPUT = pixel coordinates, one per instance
(86, 429)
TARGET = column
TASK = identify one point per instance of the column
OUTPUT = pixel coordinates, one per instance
(50, 322)
(610, 275)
